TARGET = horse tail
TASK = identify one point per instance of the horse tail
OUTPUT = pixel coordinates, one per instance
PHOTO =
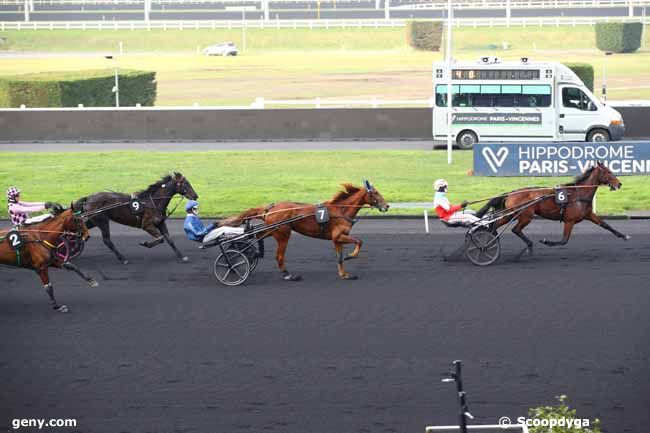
(238, 220)
(496, 203)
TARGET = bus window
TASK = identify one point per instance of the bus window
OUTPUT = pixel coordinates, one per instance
(495, 95)
(572, 97)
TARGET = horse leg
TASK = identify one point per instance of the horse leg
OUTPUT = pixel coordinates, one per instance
(104, 227)
(568, 227)
(68, 266)
(165, 232)
(153, 231)
(282, 236)
(338, 246)
(599, 221)
(47, 285)
(522, 222)
(347, 239)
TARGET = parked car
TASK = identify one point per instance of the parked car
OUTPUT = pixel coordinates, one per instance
(223, 49)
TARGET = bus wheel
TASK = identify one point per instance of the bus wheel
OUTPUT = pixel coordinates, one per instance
(597, 136)
(466, 140)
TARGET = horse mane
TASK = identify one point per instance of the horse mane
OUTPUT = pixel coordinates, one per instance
(156, 185)
(346, 192)
(582, 177)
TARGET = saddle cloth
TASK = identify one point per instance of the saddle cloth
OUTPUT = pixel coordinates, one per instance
(222, 231)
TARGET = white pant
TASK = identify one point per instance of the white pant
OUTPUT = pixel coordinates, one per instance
(465, 219)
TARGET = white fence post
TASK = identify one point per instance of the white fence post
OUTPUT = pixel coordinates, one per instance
(426, 221)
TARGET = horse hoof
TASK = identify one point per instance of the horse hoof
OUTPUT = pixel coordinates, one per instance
(291, 277)
(627, 237)
(61, 309)
(93, 283)
(348, 257)
(184, 259)
(543, 241)
(125, 262)
(350, 277)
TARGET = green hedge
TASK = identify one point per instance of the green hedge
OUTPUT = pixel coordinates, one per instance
(91, 88)
(585, 72)
(424, 35)
(619, 37)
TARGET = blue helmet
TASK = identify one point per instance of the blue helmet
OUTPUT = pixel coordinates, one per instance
(191, 205)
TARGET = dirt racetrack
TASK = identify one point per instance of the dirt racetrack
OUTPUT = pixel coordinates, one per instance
(162, 347)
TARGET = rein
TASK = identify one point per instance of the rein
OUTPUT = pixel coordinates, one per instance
(527, 190)
(305, 207)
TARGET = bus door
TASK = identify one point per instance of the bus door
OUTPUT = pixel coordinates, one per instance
(577, 113)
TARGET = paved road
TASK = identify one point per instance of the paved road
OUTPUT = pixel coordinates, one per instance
(161, 347)
(217, 11)
(197, 146)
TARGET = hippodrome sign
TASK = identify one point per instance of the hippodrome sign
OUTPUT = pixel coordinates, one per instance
(560, 159)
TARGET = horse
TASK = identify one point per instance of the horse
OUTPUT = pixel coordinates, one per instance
(342, 210)
(146, 209)
(34, 248)
(578, 207)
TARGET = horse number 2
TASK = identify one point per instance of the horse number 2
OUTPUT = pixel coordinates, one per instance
(15, 241)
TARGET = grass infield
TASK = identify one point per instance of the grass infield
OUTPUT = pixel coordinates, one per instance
(231, 181)
(305, 64)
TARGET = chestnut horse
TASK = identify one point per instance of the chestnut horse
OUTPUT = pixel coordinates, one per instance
(102, 207)
(342, 210)
(37, 250)
(579, 206)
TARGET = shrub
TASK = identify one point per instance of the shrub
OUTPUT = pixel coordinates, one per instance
(424, 35)
(585, 72)
(619, 37)
(68, 89)
(561, 411)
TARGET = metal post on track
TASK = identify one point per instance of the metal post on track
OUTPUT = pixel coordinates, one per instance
(426, 221)
(449, 75)
(463, 410)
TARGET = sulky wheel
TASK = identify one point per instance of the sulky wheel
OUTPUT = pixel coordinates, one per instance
(232, 267)
(250, 250)
(482, 247)
(76, 245)
(63, 249)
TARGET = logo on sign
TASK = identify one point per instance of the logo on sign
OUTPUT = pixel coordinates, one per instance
(495, 160)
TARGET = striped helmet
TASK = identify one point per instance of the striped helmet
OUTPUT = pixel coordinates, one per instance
(12, 194)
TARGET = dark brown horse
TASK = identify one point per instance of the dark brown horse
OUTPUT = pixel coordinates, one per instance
(579, 205)
(37, 248)
(102, 207)
(342, 210)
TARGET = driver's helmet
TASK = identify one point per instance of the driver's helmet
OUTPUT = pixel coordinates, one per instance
(440, 184)
(12, 194)
(192, 206)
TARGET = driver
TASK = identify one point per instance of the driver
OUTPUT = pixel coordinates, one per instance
(19, 210)
(448, 212)
(194, 228)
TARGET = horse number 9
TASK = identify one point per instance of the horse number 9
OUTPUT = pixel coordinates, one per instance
(136, 207)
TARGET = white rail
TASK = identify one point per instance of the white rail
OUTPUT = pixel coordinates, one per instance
(295, 24)
(468, 4)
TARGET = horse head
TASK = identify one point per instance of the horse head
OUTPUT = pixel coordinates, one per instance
(374, 197)
(184, 187)
(606, 177)
(75, 223)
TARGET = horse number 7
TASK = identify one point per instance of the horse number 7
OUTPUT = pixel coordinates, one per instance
(321, 214)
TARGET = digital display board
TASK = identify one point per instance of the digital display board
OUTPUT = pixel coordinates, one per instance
(495, 74)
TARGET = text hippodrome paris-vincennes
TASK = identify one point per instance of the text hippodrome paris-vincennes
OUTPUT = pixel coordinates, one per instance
(620, 159)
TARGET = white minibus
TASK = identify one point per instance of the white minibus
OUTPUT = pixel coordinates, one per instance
(519, 101)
